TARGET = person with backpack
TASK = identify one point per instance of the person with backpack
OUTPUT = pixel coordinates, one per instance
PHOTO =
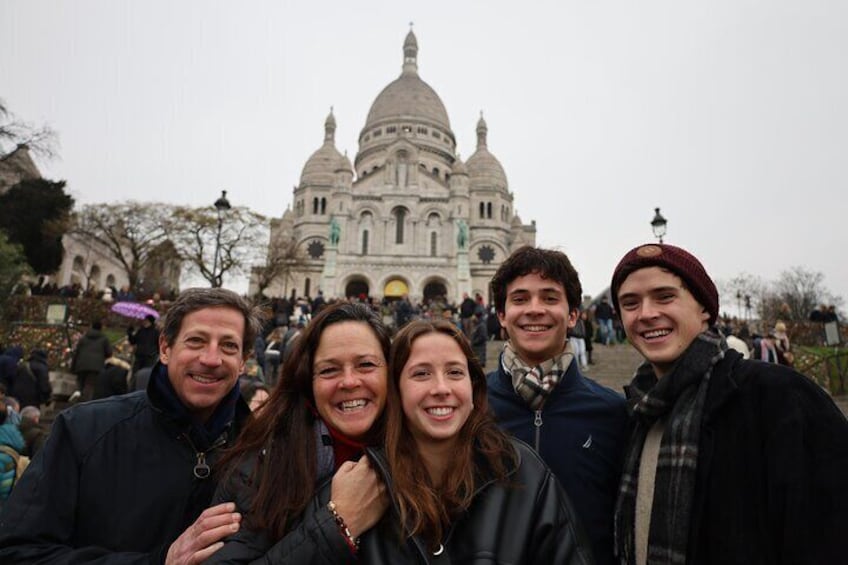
(11, 446)
(31, 386)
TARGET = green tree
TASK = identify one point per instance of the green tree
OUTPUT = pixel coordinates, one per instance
(13, 267)
(133, 232)
(215, 244)
(35, 213)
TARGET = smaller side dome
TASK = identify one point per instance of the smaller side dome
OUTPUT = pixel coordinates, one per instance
(322, 165)
(345, 164)
(459, 167)
(484, 169)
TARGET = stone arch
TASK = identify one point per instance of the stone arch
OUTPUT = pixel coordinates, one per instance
(395, 286)
(94, 276)
(78, 265)
(434, 287)
(357, 286)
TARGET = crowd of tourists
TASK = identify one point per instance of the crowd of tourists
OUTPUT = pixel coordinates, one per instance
(337, 431)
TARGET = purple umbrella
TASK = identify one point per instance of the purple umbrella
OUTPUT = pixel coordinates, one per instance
(134, 310)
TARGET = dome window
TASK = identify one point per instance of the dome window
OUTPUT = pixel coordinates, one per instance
(391, 129)
(377, 133)
(436, 134)
(422, 130)
(407, 129)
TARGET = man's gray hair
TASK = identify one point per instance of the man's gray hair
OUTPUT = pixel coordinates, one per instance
(30, 413)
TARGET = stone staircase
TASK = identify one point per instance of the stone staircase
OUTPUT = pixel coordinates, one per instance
(614, 365)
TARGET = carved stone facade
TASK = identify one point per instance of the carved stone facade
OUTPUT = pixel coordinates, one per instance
(407, 216)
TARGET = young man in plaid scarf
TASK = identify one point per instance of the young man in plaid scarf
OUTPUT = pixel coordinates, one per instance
(538, 394)
(729, 461)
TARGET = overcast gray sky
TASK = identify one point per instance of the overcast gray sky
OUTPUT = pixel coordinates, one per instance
(730, 115)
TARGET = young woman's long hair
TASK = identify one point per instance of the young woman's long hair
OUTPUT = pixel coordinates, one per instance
(482, 448)
(283, 430)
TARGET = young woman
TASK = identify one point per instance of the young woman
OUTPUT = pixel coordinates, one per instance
(461, 490)
(322, 413)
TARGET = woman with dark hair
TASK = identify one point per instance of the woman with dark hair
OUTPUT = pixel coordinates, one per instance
(461, 490)
(325, 409)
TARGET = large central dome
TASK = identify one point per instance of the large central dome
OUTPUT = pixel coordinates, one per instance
(408, 97)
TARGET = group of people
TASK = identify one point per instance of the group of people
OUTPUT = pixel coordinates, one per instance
(404, 451)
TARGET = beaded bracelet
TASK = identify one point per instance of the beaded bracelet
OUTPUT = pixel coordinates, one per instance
(352, 542)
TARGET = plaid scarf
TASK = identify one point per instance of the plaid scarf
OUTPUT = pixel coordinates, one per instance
(534, 384)
(679, 397)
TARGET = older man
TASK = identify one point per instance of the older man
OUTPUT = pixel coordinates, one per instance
(731, 461)
(128, 479)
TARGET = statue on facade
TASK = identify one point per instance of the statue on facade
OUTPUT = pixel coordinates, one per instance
(335, 232)
(462, 234)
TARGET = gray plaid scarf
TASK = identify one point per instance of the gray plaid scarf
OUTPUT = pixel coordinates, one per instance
(679, 397)
(534, 384)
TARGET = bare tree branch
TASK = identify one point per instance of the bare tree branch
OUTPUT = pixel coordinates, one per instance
(130, 231)
(196, 238)
(41, 141)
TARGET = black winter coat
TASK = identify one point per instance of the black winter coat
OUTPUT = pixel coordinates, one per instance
(114, 484)
(31, 385)
(91, 352)
(772, 466)
(529, 521)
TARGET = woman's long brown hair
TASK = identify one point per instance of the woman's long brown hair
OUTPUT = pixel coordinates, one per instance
(284, 428)
(427, 510)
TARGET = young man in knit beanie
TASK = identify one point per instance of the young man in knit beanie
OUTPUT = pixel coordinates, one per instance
(539, 395)
(729, 460)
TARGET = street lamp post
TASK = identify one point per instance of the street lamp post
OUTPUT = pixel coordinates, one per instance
(658, 224)
(221, 205)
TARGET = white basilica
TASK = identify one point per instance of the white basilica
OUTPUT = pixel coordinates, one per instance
(408, 216)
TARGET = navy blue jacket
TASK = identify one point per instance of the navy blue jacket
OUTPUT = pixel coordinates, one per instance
(580, 433)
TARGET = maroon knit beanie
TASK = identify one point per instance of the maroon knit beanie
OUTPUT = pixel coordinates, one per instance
(678, 261)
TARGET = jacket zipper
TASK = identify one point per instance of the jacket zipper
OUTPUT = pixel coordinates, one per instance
(538, 423)
(202, 470)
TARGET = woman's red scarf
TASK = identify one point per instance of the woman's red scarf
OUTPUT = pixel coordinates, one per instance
(344, 448)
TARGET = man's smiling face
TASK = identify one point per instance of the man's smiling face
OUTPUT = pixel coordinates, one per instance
(537, 316)
(660, 316)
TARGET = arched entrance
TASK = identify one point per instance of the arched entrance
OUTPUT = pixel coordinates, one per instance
(434, 290)
(356, 288)
(395, 288)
